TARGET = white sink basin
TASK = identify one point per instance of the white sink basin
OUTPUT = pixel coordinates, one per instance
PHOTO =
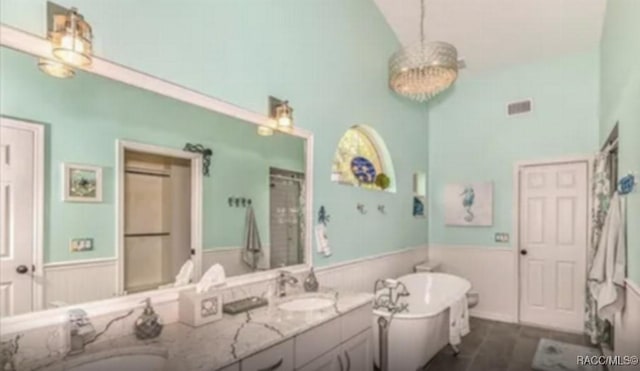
(139, 359)
(306, 304)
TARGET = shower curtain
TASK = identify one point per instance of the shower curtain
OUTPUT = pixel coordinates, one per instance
(598, 329)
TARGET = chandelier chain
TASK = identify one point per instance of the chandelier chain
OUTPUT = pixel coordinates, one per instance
(422, 21)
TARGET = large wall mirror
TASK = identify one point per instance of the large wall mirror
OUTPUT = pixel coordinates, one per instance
(136, 188)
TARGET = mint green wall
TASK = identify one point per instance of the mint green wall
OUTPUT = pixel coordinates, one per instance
(472, 139)
(328, 57)
(85, 116)
(620, 102)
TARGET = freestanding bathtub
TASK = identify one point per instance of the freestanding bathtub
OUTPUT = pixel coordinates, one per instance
(416, 335)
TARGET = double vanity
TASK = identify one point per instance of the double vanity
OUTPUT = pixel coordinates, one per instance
(302, 331)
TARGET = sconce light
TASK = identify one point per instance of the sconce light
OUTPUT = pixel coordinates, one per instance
(282, 114)
(280, 118)
(55, 68)
(265, 131)
(70, 35)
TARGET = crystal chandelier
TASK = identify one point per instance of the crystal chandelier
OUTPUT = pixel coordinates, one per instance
(423, 70)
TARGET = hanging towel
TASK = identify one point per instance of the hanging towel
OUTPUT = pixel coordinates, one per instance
(185, 275)
(458, 320)
(607, 275)
(252, 248)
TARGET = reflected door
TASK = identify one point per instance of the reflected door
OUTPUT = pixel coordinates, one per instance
(17, 217)
(285, 216)
(553, 245)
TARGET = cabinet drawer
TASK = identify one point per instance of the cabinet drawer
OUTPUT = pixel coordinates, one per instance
(317, 341)
(356, 321)
(233, 367)
(277, 358)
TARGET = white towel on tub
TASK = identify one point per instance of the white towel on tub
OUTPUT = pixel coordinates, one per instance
(458, 320)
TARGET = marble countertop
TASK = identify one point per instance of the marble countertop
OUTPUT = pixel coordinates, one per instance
(215, 345)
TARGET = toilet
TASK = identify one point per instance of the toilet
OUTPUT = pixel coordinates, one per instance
(428, 266)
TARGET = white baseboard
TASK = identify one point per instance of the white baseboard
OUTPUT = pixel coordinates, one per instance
(492, 316)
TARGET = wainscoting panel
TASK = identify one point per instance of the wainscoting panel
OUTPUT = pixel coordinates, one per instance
(492, 272)
(360, 275)
(626, 340)
(76, 282)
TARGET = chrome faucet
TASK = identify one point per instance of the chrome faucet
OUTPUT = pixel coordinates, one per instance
(386, 300)
(81, 331)
(282, 279)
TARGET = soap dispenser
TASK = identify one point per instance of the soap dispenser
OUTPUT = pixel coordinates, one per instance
(148, 325)
(311, 282)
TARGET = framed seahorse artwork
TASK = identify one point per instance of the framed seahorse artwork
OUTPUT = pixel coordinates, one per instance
(469, 204)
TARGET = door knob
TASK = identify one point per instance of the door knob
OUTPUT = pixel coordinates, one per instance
(22, 269)
(523, 252)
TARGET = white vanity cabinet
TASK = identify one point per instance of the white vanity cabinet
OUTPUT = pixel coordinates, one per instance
(279, 357)
(342, 344)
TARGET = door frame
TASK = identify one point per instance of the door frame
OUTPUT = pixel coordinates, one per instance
(37, 274)
(517, 167)
(195, 160)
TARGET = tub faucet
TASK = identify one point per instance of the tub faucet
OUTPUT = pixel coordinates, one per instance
(282, 279)
(81, 331)
(387, 300)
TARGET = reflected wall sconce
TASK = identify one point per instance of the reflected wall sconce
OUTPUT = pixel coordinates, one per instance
(204, 151)
(280, 118)
(71, 36)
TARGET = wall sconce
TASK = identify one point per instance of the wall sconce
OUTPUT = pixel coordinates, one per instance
(55, 68)
(71, 36)
(282, 114)
(280, 117)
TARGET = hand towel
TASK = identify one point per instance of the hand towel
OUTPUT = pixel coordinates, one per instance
(252, 248)
(458, 320)
(608, 272)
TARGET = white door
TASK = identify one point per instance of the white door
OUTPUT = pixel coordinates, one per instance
(553, 244)
(357, 352)
(17, 215)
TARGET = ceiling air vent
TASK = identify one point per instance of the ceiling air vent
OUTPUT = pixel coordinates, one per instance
(519, 108)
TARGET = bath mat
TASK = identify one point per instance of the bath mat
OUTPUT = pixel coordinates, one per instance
(553, 355)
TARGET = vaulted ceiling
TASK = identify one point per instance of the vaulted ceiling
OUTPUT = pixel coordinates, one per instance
(494, 34)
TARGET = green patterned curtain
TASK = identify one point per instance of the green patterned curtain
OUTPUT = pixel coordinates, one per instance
(598, 329)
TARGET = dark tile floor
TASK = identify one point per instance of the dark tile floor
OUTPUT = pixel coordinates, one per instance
(498, 346)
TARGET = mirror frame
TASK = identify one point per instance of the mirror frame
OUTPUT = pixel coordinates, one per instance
(38, 46)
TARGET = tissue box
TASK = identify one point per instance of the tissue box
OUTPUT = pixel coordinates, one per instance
(197, 309)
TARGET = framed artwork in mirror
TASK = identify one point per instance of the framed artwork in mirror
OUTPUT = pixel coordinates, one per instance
(81, 183)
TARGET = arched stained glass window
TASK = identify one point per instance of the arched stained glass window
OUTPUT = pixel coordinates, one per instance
(362, 160)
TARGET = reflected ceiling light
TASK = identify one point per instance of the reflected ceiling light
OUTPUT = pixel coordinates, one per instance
(70, 35)
(55, 68)
(423, 70)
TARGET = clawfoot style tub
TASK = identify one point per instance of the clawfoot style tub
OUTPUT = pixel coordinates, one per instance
(416, 335)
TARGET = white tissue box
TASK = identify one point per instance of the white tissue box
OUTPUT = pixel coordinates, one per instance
(197, 309)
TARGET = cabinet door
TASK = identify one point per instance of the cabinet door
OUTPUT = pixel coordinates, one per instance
(357, 352)
(277, 358)
(329, 361)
